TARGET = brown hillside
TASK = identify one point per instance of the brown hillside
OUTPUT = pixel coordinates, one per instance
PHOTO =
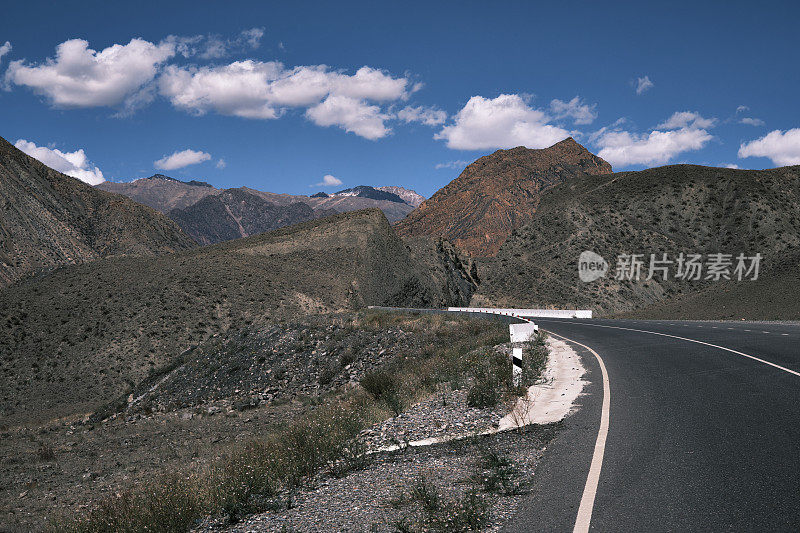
(672, 209)
(49, 219)
(83, 335)
(497, 194)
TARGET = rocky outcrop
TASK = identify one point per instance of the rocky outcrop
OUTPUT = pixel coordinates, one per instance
(49, 219)
(497, 194)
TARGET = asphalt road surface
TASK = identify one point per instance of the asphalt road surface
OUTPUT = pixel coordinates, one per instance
(699, 438)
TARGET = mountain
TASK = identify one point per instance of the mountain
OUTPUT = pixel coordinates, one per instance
(50, 219)
(235, 213)
(164, 194)
(84, 335)
(366, 191)
(497, 194)
(161, 192)
(672, 209)
(393, 209)
(412, 198)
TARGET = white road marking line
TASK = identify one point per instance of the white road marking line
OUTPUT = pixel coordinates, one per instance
(785, 334)
(584, 518)
(754, 358)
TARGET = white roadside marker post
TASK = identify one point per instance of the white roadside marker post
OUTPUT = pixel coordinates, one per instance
(516, 366)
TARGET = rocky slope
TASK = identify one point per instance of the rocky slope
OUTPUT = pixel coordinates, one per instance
(672, 209)
(235, 213)
(497, 194)
(50, 219)
(72, 340)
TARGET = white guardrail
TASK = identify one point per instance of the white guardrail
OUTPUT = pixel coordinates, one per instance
(541, 313)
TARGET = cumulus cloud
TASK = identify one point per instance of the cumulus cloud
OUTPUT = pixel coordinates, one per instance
(782, 147)
(264, 90)
(181, 159)
(452, 164)
(742, 109)
(238, 89)
(682, 132)
(751, 121)
(578, 111)
(354, 116)
(328, 181)
(430, 116)
(6, 48)
(731, 165)
(643, 84)
(503, 122)
(81, 77)
(74, 164)
(221, 163)
(687, 119)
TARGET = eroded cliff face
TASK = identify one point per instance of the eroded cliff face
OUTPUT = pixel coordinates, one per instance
(497, 194)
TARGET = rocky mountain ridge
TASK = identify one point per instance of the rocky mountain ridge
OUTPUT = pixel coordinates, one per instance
(497, 194)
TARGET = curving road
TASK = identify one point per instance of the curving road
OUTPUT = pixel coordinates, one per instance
(699, 438)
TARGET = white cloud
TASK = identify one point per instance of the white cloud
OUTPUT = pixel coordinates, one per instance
(503, 122)
(354, 116)
(263, 90)
(328, 181)
(643, 84)
(683, 132)
(74, 164)
(687, 119)
(6, 48)
(751, 121)
(216, 46)
(430, 116)
(575, 109)
(81, 77)
(459, 164)
(742, 109)
(731, 165)
(239, 89)
(783, 148)
(221, 163)
(181, 159)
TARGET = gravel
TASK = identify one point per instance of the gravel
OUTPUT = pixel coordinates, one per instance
(369, 500)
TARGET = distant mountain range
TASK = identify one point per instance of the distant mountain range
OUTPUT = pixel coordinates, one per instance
(49, 220)
(497, 194)
(211, 215)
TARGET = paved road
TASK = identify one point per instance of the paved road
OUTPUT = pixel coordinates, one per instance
(699, 439)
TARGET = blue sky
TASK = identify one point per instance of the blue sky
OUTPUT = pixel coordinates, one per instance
(286, 93)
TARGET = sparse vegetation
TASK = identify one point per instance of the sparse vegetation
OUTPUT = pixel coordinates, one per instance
(263, 473)
(439, 513)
